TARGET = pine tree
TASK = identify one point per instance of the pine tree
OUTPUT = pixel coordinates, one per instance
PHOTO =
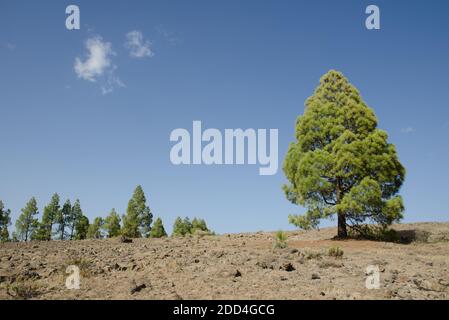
(73, 218)
(199, 225)
(341, 163)
(158, 230)
(178, 227)
(81, 228)
(49, 216)
(63, 219)
(181, 227)
(138, 218)
(27, 223)
(187, 226)
(5, 221)
(94, 231)
(112, 224)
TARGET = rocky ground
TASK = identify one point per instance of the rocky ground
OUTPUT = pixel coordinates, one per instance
(232, 266)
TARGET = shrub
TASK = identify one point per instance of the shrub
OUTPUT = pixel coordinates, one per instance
(309, 255)
(335, 251)
(280, 240)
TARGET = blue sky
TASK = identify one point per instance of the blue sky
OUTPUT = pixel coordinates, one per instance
(230, 64)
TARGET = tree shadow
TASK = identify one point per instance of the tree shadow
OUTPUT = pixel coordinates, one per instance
(407, 236)
(412, 235)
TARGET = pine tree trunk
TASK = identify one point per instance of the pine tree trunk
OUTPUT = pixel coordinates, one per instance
(50, 228)
(62, 231)
(342, 232)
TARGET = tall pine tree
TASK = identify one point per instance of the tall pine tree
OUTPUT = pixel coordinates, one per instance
(341, 164)
(27, 222)
(75, 215)
(94, 230)
(81, 228)
(5, 221)
(63, 219)
(138, 218)
(112, 224)
(49, 216)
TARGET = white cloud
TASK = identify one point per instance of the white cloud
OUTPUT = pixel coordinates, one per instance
(408, 130)
(137, 45)
(98, 66)
(97, 61)
(111, 82)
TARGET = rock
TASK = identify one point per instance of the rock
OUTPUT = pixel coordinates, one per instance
(137, 286)
(287, 267)
(51, 272)
(219, 254)
(429, 285)
(119, 267)
(266, 262)
(123, 239)
(315, 276)
(30, 274)
(229, 272)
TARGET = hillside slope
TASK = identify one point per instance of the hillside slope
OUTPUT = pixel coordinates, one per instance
(235, 266)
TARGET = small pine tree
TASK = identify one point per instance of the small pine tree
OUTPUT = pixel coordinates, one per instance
(94, 231)
(182, 227)
(63, 219)
(51, 211)
(187, 226)
(199, 225)
(75, 215)
(138, 218)
(130, 225)
(112, 224)
(26, 224)
(158, 230)
(5, 221)
(81, 228)
(179, 227)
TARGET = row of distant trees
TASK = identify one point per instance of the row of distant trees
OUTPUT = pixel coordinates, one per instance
(68, 222)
